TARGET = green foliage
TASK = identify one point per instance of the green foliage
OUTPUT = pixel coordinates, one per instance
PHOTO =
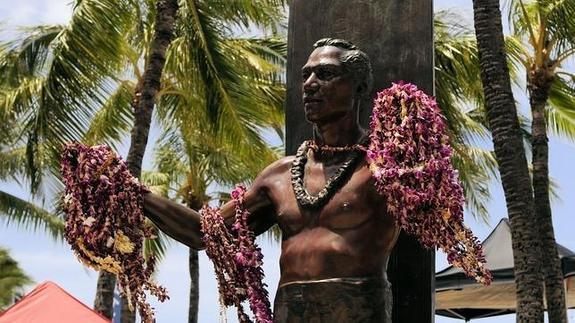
(545, 24)
(114, 118)
(459, 90)
(18, 211)
(544, 34)
(76, 82)
(561, 114)
(459, 93)
(29, 216)
(12, 279)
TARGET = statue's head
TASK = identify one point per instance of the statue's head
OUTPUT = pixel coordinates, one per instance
(354, 61)
(336, 77)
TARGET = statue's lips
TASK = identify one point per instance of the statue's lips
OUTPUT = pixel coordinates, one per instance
(308, 101)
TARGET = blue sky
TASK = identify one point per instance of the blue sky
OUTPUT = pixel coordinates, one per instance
(44, 259)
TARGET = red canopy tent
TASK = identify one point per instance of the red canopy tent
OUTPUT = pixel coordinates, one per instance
(49, 303)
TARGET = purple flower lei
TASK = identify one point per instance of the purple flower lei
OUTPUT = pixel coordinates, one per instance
(410, 160)
(237, 260)
(105, 223)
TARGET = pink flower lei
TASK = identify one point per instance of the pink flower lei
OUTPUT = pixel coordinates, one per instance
(105, 223)
(410, 159)
(237, 260)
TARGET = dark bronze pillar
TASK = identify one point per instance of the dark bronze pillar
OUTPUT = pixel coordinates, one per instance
(398, 37)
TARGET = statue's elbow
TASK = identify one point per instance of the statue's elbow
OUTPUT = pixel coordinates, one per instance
(197, 247)
(195, 244)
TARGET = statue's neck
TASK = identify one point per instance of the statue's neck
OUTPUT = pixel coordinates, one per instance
(342, 132)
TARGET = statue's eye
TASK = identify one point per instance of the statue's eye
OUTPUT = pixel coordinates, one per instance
(327, 73)
(321, 73)
(324, 74)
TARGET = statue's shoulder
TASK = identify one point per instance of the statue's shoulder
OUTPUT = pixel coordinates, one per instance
(280, 166)
(278, 169)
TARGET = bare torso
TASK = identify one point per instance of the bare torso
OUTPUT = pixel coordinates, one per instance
(351, 236)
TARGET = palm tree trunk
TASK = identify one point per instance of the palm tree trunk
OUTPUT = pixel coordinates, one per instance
(126, 316)
(194, 287)
(144, 100)
(143, 107)
(194, 202)
(510, 155)
(103, 303)
(539, 85)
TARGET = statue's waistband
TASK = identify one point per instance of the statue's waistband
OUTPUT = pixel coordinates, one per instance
(343, 280)
(347, 300)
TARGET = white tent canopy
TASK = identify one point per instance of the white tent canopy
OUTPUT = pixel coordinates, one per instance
(460, 297)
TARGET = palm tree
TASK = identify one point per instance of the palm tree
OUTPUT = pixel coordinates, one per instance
(547, 30)
(194, 161)
(213, 97)
(61, 76)
(459, 93)
(510, 155)
(143, 106)
(12, 279)
(194, 156)
(15, 210)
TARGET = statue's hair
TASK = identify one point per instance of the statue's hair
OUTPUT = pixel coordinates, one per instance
(354, 60)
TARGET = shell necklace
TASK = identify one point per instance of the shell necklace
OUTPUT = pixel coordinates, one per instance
(333, 184)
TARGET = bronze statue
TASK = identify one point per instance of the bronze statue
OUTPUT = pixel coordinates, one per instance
(336, 234)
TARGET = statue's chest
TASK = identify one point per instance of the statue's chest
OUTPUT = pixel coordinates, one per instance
(349, 208)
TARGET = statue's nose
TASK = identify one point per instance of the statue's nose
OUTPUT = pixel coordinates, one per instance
(311, 83)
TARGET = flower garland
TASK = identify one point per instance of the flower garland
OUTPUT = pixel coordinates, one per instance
(105, 222)
(410, 161)
(237, 260)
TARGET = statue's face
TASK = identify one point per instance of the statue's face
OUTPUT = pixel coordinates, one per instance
(328, 91)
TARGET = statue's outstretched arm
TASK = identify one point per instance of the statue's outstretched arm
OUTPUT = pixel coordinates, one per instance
(174, 219)
(183, 223)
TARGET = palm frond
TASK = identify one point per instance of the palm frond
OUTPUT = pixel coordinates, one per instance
(114, 119)
(12, 279)
(157, 246)
(20, 100)
(158, 183)
(477, 167)
(13, 167)
(226, 95)
(26, 57)
(170, 157)
(22, 213)
(518, 54)
(264, 14)
(457, 81)
(12, 163)
(266, 55)
(85, 57)
(561, 108)
(523, 18)
(554, 188)
(546, 25)
(558, 16)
